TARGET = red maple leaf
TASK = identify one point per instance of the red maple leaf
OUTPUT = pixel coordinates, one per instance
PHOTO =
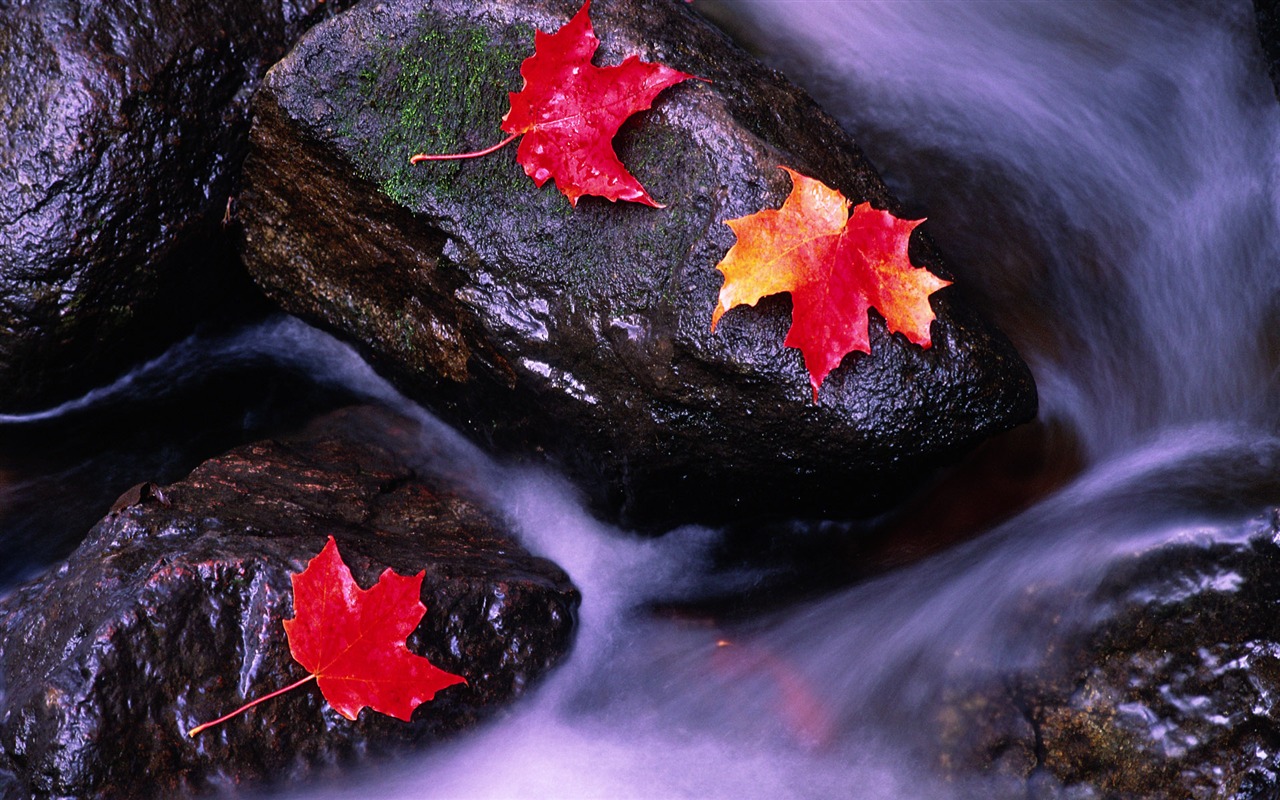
(352, 641)
(569, 110)
(836, 266)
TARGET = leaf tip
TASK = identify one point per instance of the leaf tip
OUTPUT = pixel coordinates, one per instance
(717, 314)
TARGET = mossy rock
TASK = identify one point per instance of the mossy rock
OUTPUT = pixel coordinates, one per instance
(583, 334)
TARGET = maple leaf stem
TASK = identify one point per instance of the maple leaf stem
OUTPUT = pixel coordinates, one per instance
(420, 157)
(197, 729)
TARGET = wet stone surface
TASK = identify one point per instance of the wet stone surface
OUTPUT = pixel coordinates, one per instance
(170, 615)
(1170, 694)
(583, 335)
(125, 125)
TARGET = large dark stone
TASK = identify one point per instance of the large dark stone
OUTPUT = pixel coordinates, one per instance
(170, 615)
(585, 333)
(124, 126)
(1169, 694)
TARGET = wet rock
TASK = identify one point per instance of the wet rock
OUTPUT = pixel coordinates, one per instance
(170, 615)
(1267, 13)
(124, 126)
(1171, 693)
(584, 333)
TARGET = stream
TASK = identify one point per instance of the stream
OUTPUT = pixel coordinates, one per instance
(1102, 177)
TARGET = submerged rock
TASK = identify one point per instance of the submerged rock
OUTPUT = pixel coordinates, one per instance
(584, 333)
(1171, 693)
(124, 126)
(170, 614)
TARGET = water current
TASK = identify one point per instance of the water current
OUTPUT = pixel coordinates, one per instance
(1102, 177)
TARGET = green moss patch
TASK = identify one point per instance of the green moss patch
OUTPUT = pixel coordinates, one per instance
(442, 87)
(437, 90)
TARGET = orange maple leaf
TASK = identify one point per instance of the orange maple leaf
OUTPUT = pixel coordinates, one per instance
(836, 265)
(352, 641)
(569, 110)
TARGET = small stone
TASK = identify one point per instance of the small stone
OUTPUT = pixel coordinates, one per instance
(1168, 692)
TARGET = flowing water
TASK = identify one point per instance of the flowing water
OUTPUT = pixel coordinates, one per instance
(1103, 179)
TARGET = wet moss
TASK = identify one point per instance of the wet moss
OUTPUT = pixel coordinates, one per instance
(407, 326)
(1090, 746)
(444, 90)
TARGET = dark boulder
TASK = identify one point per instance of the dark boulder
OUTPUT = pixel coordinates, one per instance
(1169, 694)
(584, 333)
(170, 615)
(124, 126)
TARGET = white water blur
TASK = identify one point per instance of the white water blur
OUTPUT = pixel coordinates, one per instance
(283, 341)
(818, 699)
(1106, 185)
